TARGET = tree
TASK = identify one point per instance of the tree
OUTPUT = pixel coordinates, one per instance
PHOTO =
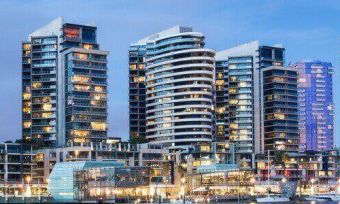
(138, 140)
(280, 158)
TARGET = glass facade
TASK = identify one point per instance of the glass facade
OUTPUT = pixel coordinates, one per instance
(86, 96)
(137, 93)
(109, 183)
(44, 88)
(52, 83)
(237, 87)
(61, 179)
(279, 109)
(316, 106)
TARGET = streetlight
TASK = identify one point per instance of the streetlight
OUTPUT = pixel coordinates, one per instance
(182, 188)
(252, 180)
(312, 188)
(76, 153)
(28, 189)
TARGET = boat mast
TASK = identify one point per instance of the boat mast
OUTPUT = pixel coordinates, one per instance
(268, 177)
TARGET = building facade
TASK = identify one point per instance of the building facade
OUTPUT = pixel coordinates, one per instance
(178, 81)
(137, 93)
(316, 106)
(64, 97)
(237, 106)
(279, 109)
(61, 185)
(15, 167)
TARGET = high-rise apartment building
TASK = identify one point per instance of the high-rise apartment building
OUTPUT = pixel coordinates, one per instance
(279, 109)
(237, 106)
(316, 106)
(178, 81)
(137, 93)
(64, 85)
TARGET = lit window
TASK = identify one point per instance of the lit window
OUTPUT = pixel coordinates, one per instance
(27, 124)
(47, 107)
(98, 126)
(36, 85)
(80, 79)
(280, 116)
(26, 96)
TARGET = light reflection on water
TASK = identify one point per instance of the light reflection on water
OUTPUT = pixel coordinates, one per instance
(292, 202)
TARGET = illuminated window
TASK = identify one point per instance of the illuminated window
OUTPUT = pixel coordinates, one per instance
(280, 116)
(80, 56)
(98, 96)
(79, 140)
(205, 148)
(80, 133)
(233, 126)
(242, 84)
(219, 82)
(166, 125)
(139, 79)
(36, 85)
(46, 115)
(81, 87)
(27, 46)
(99, 89)
(73, 33)
(80, 79)
(26, 110)
(47, 107)
(47, 129)
(233, 101)
(26, 96)
(140, 66)
(220, 110)
(27, 124)
(88, 46)
(231, 90)
(133, 66)
(278, 79)
(98, 126)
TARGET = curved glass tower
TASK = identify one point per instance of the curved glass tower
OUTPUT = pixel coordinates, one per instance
(179, 79)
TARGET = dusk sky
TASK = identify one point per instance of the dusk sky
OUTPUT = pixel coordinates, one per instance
(308, 30)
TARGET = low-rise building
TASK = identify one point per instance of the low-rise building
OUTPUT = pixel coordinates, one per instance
(15, 167)
(61, 182)
(120, 184)
(309, 169)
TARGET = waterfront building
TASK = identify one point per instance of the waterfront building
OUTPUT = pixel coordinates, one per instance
(121, 184)
(61, 183)
(131, 155)
(316, 106)
(220, 183)
(237, 105)
(194, 157)
(15, 167)
(279, 109)
(178, 82)
(64, 79)
(307, 169)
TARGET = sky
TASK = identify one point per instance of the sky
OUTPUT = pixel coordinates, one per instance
(308, 30)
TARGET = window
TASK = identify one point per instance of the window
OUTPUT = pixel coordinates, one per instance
(71, 33)
(89, 35)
